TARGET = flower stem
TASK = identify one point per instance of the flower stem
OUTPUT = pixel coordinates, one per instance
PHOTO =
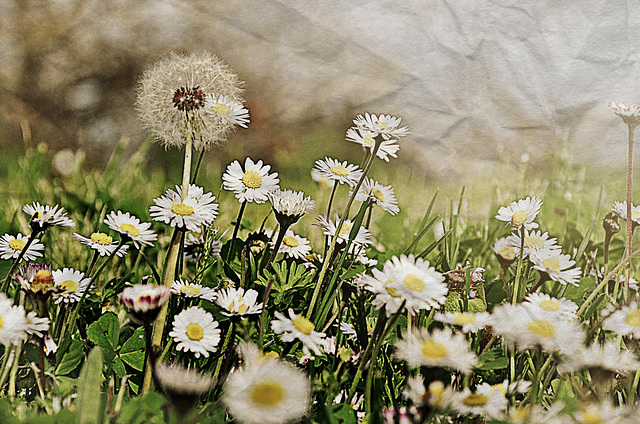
(627, 272)
(516, 283)
(235, 230)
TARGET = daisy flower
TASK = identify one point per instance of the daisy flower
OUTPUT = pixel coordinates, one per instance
(407, 279)
(470, 322)
(289, 206)
(544, 303)
(193, 211)
(382, 196)
(226, 109)
(534, 240)
(367, 140)
(607, 358)
(36, 325)
(386, 125)
(298, 327)
(37, 279)
(268, 391)
(13, 328)
(183, 385)
(191, 290)
(322, 181)
(363, 237)
(484, 401)
(605, 412)
(102, 243)
(71, 283)
(144, 301)
(180, 87)
(293, 245)
(621, 209)
(505, 253)
(521, 213)
(556, 265)
(624, 321)
(11, 246)
(333, 170)
(43, 216)
(195, 330)
(252, 183)
(238, 303)
(131, 228)
(440, 348)
(530, 329)
(630, 114)
(195, 246)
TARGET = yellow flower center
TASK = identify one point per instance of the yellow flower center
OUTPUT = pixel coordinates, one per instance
(475, 399)
(290, 241)
(464, 318)
(542, 328)
(194, 331)
(433, 350)
(414, 283)
(69, 285)
(521, 414)
(42, 281)
(378, 195)
(552, 264)
(635, 216)
(189, 289)
(436, 393)
(590, 418)
(16, 244)
(272, 355)
(519, 217)
(303, 325)
(532, 241)
(384, 125)
(101, 238)
(267, 393)
(345, 229)
(340, 171)
(550, 305)
(369, 140)
(392, 292)
(633, 318)
(221, 109)
(130, 229)
(507, 253)
(237, 305)
(182, 209)
(252, 179)
(1, 322)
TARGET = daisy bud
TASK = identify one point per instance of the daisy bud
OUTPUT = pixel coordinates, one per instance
(143, 301)
(610, 224)
(182, 385)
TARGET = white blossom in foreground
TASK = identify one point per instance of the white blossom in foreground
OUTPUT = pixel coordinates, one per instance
(252, 183)
(521, 213)
(298, 327)
(195, 330)
(131, 228)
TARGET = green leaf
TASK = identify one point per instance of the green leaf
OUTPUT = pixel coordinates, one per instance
(89, 403)
(132, 351)
(145, 410)
(71, 358)
(492, 360)
(104, 333)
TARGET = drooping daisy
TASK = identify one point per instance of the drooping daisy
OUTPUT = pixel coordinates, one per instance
(298, 327)
(193, 290)
(102, 243)
(289, 206)
(252, 183)
(183, 385)
(534, 240)
(177, 88)
(504, 252)
(226, 109)
(367, 140)
(44, 216)
(268, 391)
(380, 195)
(71, 283)
(36, 325)
(11, 246)
(521, 213)
(471, 322)
(189, 213)
(144, 301)
(13, 322)
(556, 265)
(131, 227)
(484, 401)
(440, 348)
(195, 330)
(630, 114)
(544, 303)
(530, 329)
(624, 321)
(386, 125)
(621, 209)
(406, 279)
(362, 238)
(238, 303)
(342, 172)
(293, 245)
